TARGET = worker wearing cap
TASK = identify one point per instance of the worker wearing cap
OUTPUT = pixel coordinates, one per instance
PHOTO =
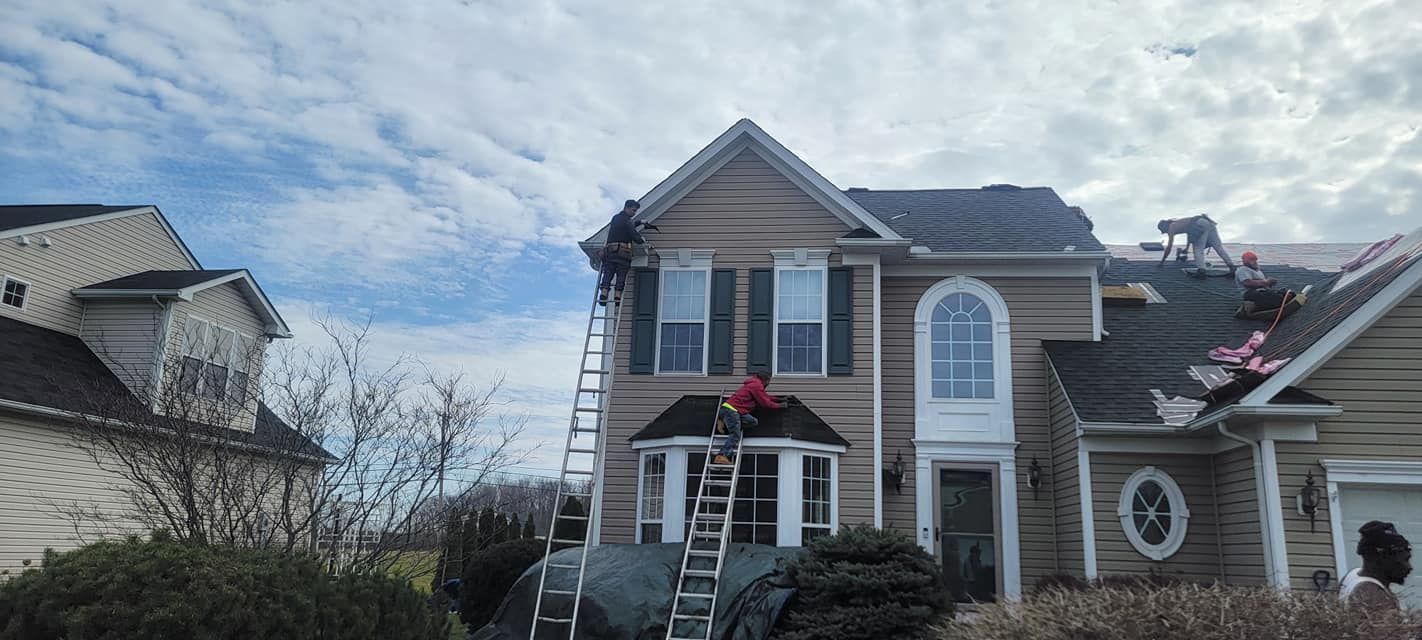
(1256, 287)
(617, 252)
(1201, 233)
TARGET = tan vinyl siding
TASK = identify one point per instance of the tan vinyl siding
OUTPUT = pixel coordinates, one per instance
(43, 477)
(1198, 559)
(743, 211)
(1066, 489)
(83, 255)
(226, 306)
(124, 334)
(1378, 380)
(1041, 309)
(1238, 505)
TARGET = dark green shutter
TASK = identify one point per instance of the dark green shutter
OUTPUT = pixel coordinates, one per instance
(760, 323)
(644, 322)
(841, 321)
(723, 320)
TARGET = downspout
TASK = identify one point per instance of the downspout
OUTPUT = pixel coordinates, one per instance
(1219, 524)
(1266, 536)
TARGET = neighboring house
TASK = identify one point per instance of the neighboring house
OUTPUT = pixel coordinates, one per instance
(962, 381)
(104, 308)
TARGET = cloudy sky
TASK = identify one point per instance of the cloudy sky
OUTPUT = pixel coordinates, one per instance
(432, 163)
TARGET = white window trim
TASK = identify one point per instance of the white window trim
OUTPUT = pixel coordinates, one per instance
(233, 362)
(1179, 513)
(641, 489)
(799, 491)
(998, 408)
(1360, 473)
(800, 260)
(687, 260)
(29, 289)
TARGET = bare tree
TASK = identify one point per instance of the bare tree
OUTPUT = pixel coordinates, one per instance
(349, 460)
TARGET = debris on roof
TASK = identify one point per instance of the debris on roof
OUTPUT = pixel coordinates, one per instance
(1152, 246)
(1176, 411)
(1210, 375)
(1115, 295)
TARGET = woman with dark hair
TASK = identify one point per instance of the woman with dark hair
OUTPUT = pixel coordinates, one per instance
(1387, 560)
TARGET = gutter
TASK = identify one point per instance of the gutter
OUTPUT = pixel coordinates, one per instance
(1210, 419)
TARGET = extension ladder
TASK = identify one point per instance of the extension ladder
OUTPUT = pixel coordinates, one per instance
(583, 463)
(694, 606)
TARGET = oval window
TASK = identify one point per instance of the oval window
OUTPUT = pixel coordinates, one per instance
(1153, 513)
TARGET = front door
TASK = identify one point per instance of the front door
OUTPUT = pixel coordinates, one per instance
(966, 526)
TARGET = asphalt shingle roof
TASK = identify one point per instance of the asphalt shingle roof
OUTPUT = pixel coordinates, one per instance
(149, 280)
(1152, 346)
(56, 370)
(15, 216)
(998, 219)
(691, 416)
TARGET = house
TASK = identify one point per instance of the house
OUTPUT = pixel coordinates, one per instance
(106, 315)
(963, 379)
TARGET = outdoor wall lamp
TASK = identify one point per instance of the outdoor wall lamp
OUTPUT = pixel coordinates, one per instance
(1034, 477)
(1307, 500)
(894, 475)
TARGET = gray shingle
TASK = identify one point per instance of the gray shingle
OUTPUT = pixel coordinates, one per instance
(691, 416)
(163, 280)
(981, 220)
(15, 216)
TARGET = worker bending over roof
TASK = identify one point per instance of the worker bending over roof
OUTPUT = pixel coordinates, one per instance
(1201, 233)
(735, 412)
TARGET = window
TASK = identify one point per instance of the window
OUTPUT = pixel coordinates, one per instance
(754, 516)
(683, 322)
(15, 293)
(800, 320)
(1153, 513)
(652, 506)
(216, 361)
(961, 331)
(815, 498)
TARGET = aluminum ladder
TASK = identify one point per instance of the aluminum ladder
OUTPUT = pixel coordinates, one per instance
(581, 473)
(694, 606)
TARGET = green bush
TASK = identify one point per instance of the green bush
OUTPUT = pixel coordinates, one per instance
(864, 583)
(1181, 612)
(489, 576)
(132, 589)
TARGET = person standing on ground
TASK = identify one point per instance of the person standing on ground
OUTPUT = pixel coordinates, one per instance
(1256, 287)
(617, 253)
(1387, 560)
(735, 412)
(1201, 233)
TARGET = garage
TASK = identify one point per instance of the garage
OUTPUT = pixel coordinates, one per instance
(1400, 505)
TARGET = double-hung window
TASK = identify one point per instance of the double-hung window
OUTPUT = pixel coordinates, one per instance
(682, 323)
(215, 362)
(800, 320)
(651, 508)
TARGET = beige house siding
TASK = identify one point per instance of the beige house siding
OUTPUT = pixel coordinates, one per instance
(1066, 485)
(743, 211)
(43, 477)
(1378, 380)
(1198, 559)
(1041, 308)
(1238, 504)
(83, 255)
(226, 306)
(124, 334)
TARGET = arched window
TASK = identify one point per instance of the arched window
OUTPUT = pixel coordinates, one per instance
(1153, 513)
(961, 333)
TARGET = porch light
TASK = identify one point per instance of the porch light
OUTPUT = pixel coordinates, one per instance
(894, 475)
(1034, 477)
(1307, 500)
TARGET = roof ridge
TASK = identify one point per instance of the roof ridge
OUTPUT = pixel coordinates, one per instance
(972, 189)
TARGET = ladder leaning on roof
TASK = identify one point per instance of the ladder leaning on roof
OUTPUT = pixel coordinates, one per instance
(584, 464)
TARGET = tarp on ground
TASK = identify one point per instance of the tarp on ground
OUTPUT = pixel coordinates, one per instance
(627, 594)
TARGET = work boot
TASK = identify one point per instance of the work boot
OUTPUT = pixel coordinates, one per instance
(602, 298)
(720, 459)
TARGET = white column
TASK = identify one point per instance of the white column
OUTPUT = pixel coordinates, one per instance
(923, 499)
(1088, 511)
(1274, 511)
(674, 509)
(1011, 544)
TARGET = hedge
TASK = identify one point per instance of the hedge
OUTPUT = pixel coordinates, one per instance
(489, 576)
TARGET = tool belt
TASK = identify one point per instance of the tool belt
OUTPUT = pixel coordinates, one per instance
(728, 406)
(623, 249)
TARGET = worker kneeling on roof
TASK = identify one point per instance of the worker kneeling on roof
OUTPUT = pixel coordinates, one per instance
(735, 412)
(1256, 287)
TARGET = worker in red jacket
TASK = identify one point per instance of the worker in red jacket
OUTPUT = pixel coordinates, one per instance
(735, 412)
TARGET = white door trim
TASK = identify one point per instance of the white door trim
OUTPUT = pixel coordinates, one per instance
(1360, 472)
(1003, 456)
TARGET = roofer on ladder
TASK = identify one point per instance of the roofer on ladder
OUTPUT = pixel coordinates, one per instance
(1201, 233)
(735, 412)
(616, 253)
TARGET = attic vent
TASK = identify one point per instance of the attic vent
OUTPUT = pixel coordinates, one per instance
(1002, 187)
(1152, 296)
(858, 189)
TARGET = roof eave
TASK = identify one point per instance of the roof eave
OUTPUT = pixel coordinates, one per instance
(1214, 417)
(926, 255)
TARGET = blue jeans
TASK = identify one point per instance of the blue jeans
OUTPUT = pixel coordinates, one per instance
(734, 421)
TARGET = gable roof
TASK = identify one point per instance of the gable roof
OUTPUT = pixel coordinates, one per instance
(183, 285)
(990, 219)
(40, 368)
(25, 219)
(1153, 346)
(688, 416)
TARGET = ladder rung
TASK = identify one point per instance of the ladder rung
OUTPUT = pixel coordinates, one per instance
(704, 596)
(588, 409)
(554, 620)
(578, 472)
(599, 372)
(573, 542)
(688, 616)
(687, 638)
(576, 450)
(584, 430)
(563, 566)
(705, 553)
(577, 495)
(700, 573)
(711, 517)
(559, 592)
(708, 535)
(710, 498)
(568, 517)
(592, 390)
(719, 483)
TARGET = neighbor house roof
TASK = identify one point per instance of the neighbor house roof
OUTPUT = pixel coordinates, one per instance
(25, 219)
(692, 415)
(45, 369)
(184, 284)
(1153, 346)
(995, 219)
